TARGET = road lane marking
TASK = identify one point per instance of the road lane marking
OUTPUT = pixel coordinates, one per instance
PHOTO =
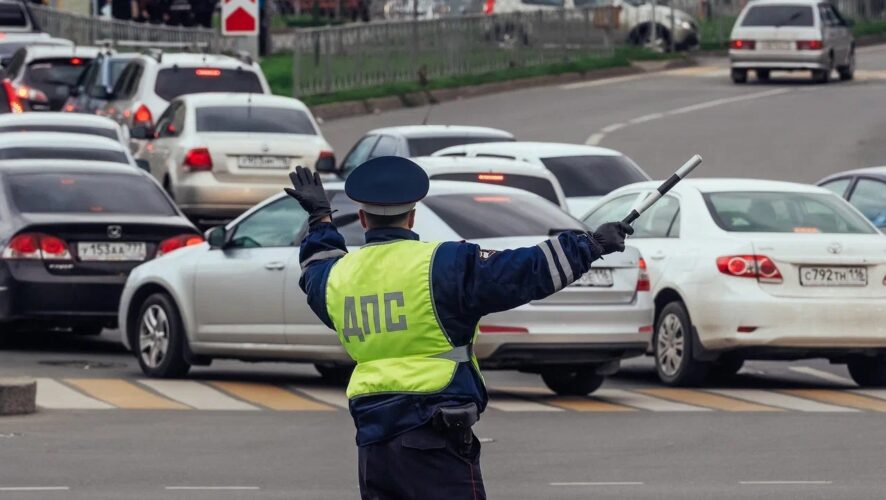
(212, 488)
(693, 71)
(780, 400)
(612, 128)
(603, 81)
(595, 139)
(54, 395)
(646, 118)
(840, 398)
(123, 394)
(599, 483)
(35, 488)
(270, 396)
(709, 400)
(823, 375)
(196, 395)
(644, 402)
(772, 483)
(515, 403)
(589, 404)
(330, 396)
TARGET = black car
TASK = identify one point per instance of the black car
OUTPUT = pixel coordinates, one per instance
(70, 233)
(865, 189)
(43, 75)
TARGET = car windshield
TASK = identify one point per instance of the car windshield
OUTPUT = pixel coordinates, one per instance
(12, 15)
(115, 69)
(174, 82)
(778, 212)
(535, 185)
(593, 175)
(426, 146)
(254, 119)
(26, 153)
(51, 74)
(75, 192)
(779, 15)
(475, 216)
(73, 129)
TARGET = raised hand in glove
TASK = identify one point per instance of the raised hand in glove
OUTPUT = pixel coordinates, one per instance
(307, 189)
(611, 236)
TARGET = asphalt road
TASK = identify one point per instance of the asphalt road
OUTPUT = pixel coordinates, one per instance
(776, 430)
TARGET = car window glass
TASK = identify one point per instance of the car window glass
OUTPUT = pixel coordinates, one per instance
(426, 146)
(657, 220)
(827, 18)
(277, 224)
(674, 231)
(54, 75)
(838, 18)
(12, 15)
(869, 197)
(103, 193)
(63, 153)
(386, 146)
(88, 77)
(358, 154)
(73, 129)
(593, 175)
(550, 3)
(536, 185)
(345, 218)
(175, 82)
(614, 209)
(165, 128)
(779, 15)
(4, 100)
(258, 119)
(838, 186)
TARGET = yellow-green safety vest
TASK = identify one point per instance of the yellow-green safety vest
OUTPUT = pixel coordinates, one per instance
(380, 300)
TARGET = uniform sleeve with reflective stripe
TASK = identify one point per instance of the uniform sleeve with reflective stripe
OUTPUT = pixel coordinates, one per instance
(320, 249)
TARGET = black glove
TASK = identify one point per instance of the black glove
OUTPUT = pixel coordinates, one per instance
(308, 191)
(611, 236)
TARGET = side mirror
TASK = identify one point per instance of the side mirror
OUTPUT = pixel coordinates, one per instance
(143, 164)
(326, 163)
(141, 132)
(216, 237)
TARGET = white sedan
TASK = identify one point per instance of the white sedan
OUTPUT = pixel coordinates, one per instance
(72, 123)
(238, 295)
(63, 146)
(751, 269)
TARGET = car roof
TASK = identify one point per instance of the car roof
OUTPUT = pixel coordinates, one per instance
(57, 140)
(783, 2)
(729, 185)
(54, 51)
(191, 59)
(55, 118)
(872, 171)
(416, 131)
(80, 166)
(206, 99)
(540, 149)
(456, 164)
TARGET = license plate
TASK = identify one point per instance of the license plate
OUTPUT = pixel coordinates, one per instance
(275, 162)
(833, 276)
(595, 277)
(114, 252)
(775, 45)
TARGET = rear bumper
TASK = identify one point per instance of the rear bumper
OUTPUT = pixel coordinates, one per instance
(201, 194)
(519, 355)
(786, 60)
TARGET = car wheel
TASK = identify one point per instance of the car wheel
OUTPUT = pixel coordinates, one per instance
(726, 366)
(739, 75)
(336, 374)
(762, 75)
(868, 372)
(88, 329)
(160, 339)
(673, 348)
(572, 381)
(821, 75)
(847, 72)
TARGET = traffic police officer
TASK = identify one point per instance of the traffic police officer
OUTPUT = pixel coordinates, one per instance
(407, 312)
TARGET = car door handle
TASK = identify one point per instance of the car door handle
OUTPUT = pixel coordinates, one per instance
(275, 266)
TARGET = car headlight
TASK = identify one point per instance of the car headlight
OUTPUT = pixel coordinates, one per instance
(686, 25)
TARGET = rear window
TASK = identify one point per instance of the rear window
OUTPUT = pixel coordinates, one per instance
(425, 146)
(593, 175)
(87, 193)
(174, 82)
(779, 15)
(50, 73)
(63, 154)
(99, 131)
(12, 15)
(773, 212)
(254, 119)
(475, 216)
(536, 185)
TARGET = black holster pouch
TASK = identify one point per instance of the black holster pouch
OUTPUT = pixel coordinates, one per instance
(456, 422)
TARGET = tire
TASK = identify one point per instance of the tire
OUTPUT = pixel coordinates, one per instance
(847, 72)
(336, 374)
(673, 348)
(821, 76)
(87, 329)
(726, 367)
(739, 75)
(868, 372)
(762, 75)
(572, 381)
(159, 339)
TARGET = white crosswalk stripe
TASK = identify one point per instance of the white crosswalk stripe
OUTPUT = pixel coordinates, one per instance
(54, 395)
(643, 402)
(196, 395)
(513, 404)
(771, 398)
(330, 396)
(874, 393)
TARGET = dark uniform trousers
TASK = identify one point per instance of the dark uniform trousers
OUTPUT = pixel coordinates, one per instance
(421, 464)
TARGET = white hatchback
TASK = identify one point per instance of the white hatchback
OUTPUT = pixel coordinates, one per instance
(751, 269)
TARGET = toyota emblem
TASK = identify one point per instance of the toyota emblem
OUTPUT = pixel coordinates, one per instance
(115, 232)
(835, 248)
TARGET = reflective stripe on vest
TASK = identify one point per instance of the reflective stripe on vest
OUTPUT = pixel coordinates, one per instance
(379, 299)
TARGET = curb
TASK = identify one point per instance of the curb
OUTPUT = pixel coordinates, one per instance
(18, 396)
(347, 109)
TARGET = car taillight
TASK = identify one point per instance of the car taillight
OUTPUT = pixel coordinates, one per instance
(809, 45)
(36, 246)
(750, 266)
(142, 116)
(491, 177)
(643, 283)
(76, 61)
(176, 242)
(742, 44)
(503, 330)
(198, 159)
(325, 162)
(15, 105)
(30, 94)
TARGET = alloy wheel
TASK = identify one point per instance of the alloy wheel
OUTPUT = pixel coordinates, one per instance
(153, 338)
(670, 343)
